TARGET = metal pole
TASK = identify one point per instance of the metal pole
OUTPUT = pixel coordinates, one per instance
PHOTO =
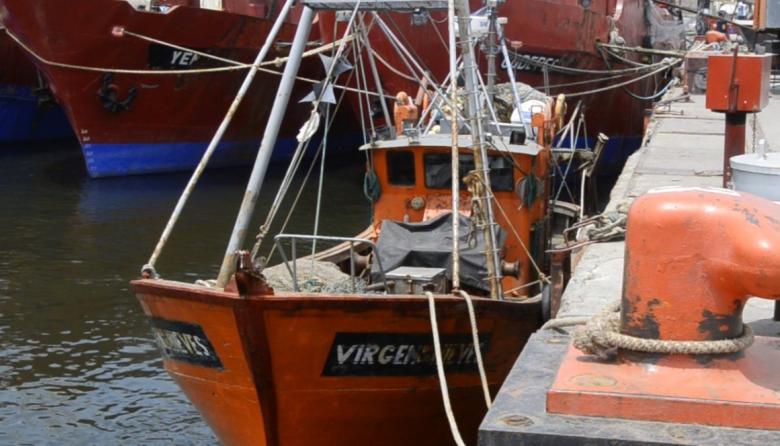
(491, 52)
(266, 146)
(455, 152)
(734, 142)
(480, 152)
(510, 71)
(218, 136)
(377, 79)
(408, 60)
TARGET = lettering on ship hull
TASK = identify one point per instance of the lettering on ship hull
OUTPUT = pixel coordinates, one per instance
(525, 62)
(400, 354)
(185, 342)
(165, 57)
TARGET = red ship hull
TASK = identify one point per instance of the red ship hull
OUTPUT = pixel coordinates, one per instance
(562, 32)
(168, 122)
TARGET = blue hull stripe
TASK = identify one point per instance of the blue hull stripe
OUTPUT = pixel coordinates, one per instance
(22, 119)
(106, 160)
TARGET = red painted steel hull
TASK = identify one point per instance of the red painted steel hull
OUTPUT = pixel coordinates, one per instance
(276, 386)
(558, 29)
(16, 68)
(171, 113)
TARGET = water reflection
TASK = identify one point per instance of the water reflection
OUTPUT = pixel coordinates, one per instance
(77, 364)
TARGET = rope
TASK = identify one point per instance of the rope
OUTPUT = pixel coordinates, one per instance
(601, 337)
(665, 66)
(372, 189)
(570, 70)
(235, 64)
(539, 272)
(395, 71)
(477, 348)
(445, 395)
(235, 67)
(276, 62)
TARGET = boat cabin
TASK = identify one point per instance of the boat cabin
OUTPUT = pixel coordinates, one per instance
(414, 179)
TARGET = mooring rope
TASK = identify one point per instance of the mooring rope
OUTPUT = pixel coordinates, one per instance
(666, 66)
(571, 70)
(601, 336)
(445, 394)
(236, 66)
(276, 62)
(477, 347)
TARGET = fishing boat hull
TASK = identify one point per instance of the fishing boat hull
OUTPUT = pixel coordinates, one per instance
(562, 33)
(312, 369)
(130, 123)
(24, 116)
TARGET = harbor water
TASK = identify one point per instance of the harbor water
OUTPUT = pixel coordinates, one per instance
(77, 361)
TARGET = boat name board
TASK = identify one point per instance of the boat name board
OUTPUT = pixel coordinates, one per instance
(524, 62)
(165, 57)
(401, 354)
(185, 342)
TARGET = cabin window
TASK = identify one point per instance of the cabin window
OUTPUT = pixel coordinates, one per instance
(400, 168)
(501, 174)
(438, 171)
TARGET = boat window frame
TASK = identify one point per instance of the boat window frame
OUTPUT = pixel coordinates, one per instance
(389, 169)
(465, 159)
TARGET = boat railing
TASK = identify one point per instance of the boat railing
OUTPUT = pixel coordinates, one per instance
(291, 264)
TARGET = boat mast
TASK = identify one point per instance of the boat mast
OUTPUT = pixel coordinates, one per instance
(483, 190)
(455, 175)
(249, 202)
(491, 49)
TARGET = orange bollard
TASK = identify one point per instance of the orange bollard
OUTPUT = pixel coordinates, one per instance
(693, 258)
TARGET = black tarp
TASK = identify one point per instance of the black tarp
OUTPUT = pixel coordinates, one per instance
(429, 244)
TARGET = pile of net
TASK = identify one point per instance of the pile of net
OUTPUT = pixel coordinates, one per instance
(313, 277)
(666, 31)
(504, 99)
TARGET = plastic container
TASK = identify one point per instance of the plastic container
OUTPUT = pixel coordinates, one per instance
(757, 174)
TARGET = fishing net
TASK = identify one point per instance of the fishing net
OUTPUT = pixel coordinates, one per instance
(313, 277)
(666, 31)
(504, 101)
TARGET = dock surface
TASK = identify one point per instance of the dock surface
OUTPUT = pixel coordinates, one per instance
(683, 147)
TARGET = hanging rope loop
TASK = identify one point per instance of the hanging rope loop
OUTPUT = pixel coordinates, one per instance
(601, 336)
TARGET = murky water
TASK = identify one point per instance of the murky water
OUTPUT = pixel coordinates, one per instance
(77, 362)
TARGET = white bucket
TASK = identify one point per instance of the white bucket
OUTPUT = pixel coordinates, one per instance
(757, 174)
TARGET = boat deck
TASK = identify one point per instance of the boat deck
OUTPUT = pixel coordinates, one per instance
(684, 147)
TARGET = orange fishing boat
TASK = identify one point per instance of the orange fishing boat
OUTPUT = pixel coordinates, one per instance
(401, 353)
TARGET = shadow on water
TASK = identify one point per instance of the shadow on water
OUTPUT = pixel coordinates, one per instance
(77, 363)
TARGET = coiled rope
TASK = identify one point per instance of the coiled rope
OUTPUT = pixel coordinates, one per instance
(601, 336)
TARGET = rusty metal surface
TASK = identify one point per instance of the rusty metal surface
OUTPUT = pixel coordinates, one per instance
(739, 390)
(693, 258)
(519, 414)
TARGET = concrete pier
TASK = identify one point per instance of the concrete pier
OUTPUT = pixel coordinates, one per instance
(683, 147)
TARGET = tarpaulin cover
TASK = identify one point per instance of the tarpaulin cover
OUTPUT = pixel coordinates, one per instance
(429, 244)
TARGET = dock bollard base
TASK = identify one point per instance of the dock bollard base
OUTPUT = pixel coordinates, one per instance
(736, 390)
(519, 413)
